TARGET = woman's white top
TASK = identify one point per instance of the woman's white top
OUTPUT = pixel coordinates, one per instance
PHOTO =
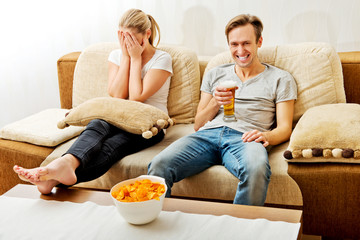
(160, 60)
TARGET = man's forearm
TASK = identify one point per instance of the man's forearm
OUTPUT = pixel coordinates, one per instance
(277, 135)
(206, 114)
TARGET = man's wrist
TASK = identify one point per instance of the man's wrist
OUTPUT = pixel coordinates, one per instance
(214, 103)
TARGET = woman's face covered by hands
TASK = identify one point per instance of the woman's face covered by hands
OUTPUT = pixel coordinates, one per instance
(132, 43)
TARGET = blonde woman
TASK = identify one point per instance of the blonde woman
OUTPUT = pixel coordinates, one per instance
(137, 71)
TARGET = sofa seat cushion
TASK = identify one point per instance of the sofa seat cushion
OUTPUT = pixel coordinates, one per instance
(40, 129)
(316, 68)
(214, 183)
(91, 78)
(130, 166)
(327, 133)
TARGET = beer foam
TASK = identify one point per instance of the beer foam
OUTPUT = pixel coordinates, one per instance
(227, 84)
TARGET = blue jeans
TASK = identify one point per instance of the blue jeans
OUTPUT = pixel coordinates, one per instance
(101, 145)
(196, 152)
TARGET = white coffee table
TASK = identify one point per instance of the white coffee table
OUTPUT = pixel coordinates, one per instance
(103, 198)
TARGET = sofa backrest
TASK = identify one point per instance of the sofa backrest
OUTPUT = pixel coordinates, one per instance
(316, 68)
(91, 78)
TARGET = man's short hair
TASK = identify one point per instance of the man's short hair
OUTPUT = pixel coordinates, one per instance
(242, 20)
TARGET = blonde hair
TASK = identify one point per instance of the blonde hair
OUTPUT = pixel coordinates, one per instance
(242, 20)
(135, 18)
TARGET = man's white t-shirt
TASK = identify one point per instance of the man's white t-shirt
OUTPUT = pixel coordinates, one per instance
(160, 60)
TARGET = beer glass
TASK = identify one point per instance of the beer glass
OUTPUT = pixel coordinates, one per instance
(229, 109)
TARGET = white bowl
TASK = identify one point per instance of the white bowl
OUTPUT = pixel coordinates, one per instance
(139, 212)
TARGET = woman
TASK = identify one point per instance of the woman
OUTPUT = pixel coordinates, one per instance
(137, 71)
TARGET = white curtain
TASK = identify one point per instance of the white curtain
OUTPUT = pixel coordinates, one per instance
(34, 34)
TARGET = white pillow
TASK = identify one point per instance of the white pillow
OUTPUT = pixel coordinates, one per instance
(41, 129)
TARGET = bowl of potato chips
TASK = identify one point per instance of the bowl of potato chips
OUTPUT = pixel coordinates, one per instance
(139, 200)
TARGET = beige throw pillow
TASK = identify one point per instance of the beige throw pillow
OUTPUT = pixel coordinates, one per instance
(330, 131)
(131, 116)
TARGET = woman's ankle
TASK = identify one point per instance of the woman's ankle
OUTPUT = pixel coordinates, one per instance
(73, 161)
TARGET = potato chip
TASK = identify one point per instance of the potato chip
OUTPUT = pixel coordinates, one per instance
(141, 190)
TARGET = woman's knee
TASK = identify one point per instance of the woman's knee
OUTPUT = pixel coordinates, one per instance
(98, 125)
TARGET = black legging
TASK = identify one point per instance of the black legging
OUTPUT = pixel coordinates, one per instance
(101, 145)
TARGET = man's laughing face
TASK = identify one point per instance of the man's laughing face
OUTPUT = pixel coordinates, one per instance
(243, 45)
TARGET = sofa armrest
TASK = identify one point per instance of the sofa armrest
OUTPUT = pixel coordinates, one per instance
(18, 153)
(351, 70)
(66, 66)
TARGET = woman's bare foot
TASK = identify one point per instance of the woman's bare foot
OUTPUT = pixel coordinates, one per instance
(28, 175)
(45, 187)
(61, 170)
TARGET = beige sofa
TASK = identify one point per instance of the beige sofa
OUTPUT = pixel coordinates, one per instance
(315, 66)
(215, 183)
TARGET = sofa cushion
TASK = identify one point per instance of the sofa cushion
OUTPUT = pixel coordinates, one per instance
(184, 93)
(40, 129)
(215, 182)
(130, 166)
(328, 133)
(91, 79)
(131, 116)
(316, 68)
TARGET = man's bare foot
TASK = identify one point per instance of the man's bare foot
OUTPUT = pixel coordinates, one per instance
(61, 170)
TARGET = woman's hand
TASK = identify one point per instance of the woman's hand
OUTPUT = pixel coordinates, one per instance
(133, 46)
(121, 36)
(257, 136)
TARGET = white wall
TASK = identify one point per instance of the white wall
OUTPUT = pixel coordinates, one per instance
(34, 34)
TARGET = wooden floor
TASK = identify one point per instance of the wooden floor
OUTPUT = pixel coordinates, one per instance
(310, 237)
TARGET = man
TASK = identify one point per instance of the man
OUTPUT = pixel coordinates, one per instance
(264, 94)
